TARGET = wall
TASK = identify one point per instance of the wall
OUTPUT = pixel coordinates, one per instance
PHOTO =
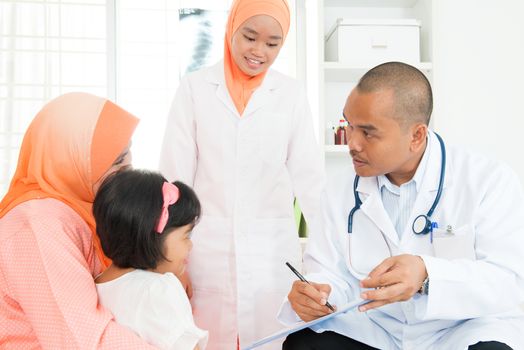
(479, 76)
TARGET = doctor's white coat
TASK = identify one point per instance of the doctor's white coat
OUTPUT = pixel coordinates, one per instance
(246, 171)
(476, 272)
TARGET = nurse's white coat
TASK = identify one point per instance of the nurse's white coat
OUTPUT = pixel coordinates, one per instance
(246, 171)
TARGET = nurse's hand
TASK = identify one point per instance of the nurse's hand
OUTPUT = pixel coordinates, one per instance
(309, 300)
(395, 279)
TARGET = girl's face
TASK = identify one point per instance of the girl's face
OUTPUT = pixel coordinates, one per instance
(256, 44)
(177, 246)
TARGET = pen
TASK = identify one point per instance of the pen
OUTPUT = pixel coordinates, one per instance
(299, 275)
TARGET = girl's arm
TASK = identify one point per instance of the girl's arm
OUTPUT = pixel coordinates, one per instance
(167, 318)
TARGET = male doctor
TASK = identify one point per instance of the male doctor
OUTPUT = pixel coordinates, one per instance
(435, 241)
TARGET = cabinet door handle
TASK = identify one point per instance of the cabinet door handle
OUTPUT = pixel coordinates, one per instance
(379, 43)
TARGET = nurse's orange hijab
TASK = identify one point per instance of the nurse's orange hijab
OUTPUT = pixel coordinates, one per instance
(239, 84)
(67, 148)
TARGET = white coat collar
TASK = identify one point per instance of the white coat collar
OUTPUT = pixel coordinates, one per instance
(369, 192)
(261, 96)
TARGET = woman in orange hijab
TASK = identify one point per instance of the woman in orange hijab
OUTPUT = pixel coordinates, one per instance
(49, 252)
(242, 135)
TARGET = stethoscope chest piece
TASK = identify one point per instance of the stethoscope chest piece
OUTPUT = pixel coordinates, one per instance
(421, 225)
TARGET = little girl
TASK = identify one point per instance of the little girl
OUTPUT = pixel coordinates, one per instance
(144, 224)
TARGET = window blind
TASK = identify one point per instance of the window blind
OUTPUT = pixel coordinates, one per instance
(47, 48)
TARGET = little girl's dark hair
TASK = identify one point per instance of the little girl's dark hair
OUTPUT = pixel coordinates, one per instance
(127, 208)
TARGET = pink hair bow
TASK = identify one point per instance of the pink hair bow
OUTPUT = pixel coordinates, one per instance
(170, 193)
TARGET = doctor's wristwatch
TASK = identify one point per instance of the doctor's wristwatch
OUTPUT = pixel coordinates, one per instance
(424, 288)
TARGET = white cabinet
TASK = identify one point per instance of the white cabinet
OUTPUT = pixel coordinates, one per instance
(329, 82)
(365, 41)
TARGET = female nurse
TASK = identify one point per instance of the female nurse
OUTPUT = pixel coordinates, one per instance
(241, 134)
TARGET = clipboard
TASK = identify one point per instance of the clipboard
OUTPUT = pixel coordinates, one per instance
(301, 325)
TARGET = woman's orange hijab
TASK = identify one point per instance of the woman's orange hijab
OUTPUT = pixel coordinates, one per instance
(239, 84)
(67, 148)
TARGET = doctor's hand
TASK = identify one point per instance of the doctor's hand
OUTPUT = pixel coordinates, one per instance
(395, 279)
(309, 300)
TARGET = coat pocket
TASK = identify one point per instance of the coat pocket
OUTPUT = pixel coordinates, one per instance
(455, 244)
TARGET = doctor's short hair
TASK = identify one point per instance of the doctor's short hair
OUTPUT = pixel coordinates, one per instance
(127, 208)
(412, 90)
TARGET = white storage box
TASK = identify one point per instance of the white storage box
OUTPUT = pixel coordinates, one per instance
(364, 42)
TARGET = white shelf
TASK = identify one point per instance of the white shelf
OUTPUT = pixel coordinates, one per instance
(336, 150)
(370, 3)
(329, 83)
(335, 71)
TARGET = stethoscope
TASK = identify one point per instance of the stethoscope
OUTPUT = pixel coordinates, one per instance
(422, 224)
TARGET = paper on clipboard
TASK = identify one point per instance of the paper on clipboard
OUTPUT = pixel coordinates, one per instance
(301, 325)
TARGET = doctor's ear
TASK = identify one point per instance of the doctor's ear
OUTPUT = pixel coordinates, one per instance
(419, 132)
